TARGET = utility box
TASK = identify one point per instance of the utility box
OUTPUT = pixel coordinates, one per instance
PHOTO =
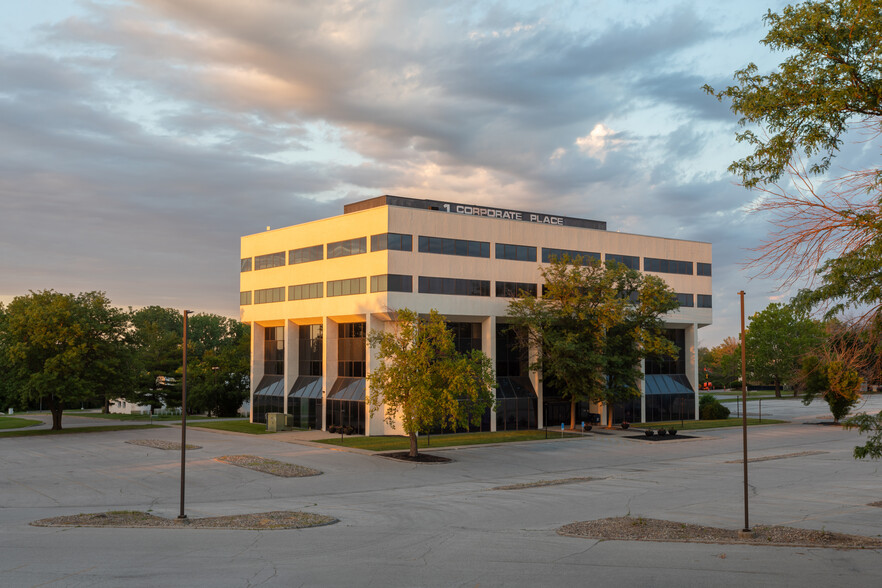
(279, 421)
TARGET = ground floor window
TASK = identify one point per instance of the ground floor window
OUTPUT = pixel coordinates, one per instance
(670, 407)
(347, 413)
(628, 411)
(268, 397)
(556, 410)
(481, 426)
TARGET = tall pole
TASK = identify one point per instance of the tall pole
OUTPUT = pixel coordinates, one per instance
(746, 529)
(182, 516)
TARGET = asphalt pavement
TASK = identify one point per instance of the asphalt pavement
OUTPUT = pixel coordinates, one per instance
(402, 524)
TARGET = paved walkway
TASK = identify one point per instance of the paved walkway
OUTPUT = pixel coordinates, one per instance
(440, 525)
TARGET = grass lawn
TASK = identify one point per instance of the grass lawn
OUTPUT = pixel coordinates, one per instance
(446, 440)
(16, 423)
(754, 396)
(238, 426)
(717, 424)
(72, 430)
(735, 395)
(132, 417)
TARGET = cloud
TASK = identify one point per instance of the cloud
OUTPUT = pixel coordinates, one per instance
(141, 139)
(599, 142)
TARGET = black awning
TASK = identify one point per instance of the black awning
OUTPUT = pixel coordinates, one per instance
(271, 386)
(348, 389)
(515, 387)
(667, 384)
(306, 387)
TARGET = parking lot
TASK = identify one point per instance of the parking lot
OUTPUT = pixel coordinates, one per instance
(441, 525)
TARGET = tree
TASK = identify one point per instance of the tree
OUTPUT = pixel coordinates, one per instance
(724, 362)
(158, 336)
(777, 339)
(866, 423)
(592, 326)
(421, 379)
(829, 84)
(218, 364)
(838, 384)
(65, 347)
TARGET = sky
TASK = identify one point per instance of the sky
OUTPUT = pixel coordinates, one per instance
(139, 140)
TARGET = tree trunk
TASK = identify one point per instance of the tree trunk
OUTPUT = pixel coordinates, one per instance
(573, 415)
(56, 407)
(414, 451)
(106, 408)
(777, 387)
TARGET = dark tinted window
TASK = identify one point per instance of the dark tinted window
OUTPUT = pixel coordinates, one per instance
(453, 286)
(453, 246)
(513, 289)
(351, 350)
(305, 291)
(305, 254)
(391, 283)
(629, 261)
(515, 252)
(394, 241)
(703, 269)
(268, 261)
(347, 287)
(245, 298)
(274, 351)
(667, 266)
(704, 301)
(269, 295)
(685, 299)
(310, 358)
(246, 264)
(348, 247)
(549, 253)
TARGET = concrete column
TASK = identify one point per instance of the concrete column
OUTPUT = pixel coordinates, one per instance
(292, 357)
(488, 345)
(692, 361)
(374, 425)
(257, 358)
(329, 365)
(532, 357)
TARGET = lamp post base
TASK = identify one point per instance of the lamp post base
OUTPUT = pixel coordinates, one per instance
(746, 534)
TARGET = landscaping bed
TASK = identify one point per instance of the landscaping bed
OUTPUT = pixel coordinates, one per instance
(642, 529)
(159, 444)
(268, 466)
(420, 458)
(279, 519)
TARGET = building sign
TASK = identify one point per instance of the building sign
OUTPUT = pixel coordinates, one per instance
(502, 213)
(474, 210)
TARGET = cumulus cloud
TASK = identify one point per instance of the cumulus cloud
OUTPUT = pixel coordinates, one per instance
(599, 142)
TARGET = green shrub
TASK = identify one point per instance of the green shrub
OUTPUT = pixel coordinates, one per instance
(711, 409)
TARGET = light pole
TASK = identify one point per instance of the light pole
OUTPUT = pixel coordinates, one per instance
(214, 370)
(182, 516)
(745, 532)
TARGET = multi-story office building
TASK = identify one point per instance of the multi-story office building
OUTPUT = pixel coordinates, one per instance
(312, 292)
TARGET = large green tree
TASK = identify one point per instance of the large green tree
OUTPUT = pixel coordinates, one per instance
(66, 348)
(218, 364)
(158, 337)
(592, 326)
(422, 380)
(777, 340)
